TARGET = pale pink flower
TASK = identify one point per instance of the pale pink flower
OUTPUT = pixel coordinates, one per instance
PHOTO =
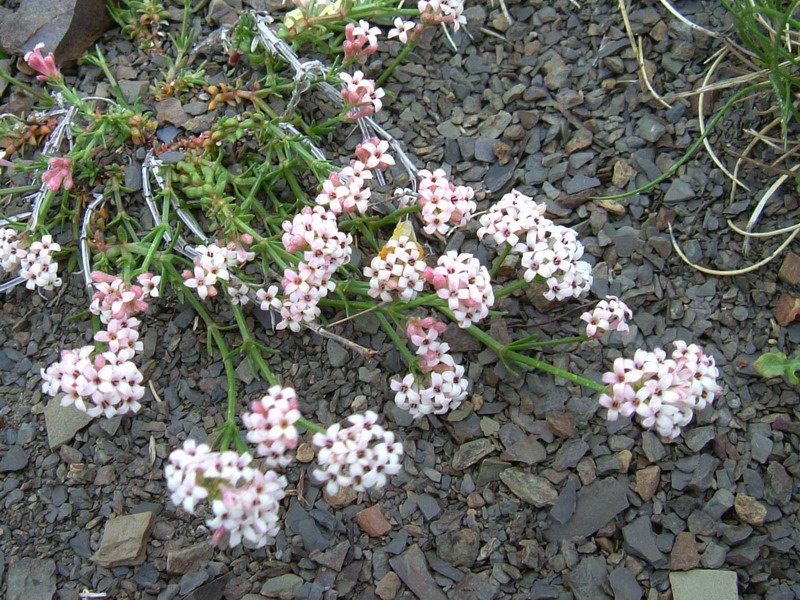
(402, 30)
(360, 40)
(360, 96)
(46, 65)
(610, 314)
(60, 172)
(270, 424)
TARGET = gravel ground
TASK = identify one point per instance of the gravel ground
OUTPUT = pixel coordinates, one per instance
(526, 492)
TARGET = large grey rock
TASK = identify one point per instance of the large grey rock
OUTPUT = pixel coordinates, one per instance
(624, 584)
(530, 488)
(63, 422)
(31, 579)
(14, 460)
(65, 27)
(704, 583)
(597, 504)
(588, 579)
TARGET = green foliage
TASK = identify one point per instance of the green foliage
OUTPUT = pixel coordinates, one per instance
(777, 365)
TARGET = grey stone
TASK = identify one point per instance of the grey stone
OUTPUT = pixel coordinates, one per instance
(720, 503)
(624, 585)
(337, 354)
(530, 488)
(124, 540)
(483, 150)
(627, 241)
(779, 485)
(498, 176)
(493, 127)
(641, 541)
(653, 448)
(474, 587)
(412, 568)
(14, 460)
(31, 579)
(588, 579)
(63, 422)
(760, 447)
(282, 586)
(697, 437)
(714, 556)
(581, 183)
(459, 548)
(564, 507)
(449, 130)
(332, 558)
(650, 128)
(133, 177)
(705, 584)
(471, 452)
(133, 90)
(195, 108)
(679, 191)
(429, 506)
(527, 450)
(597, 504)
(570, 454)
(193, 579)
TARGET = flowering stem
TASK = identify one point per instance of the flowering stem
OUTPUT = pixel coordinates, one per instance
(398, 59)
(395, 216)
(249, 344)
(43, 98)
(511, 288)
(18, 190)
(392, 333)
(498, 262)
(557, 342)
(505, 353)
(310, 425)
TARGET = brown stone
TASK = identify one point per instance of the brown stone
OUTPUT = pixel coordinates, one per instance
(561, 423)
(580, 139)
(750, 510)
(305, 453)
(183, 560)
(624, 457)
(388, 586)
(790, 269)
(647, 481)
(787, 309)
(124, 541)
(622, 173)
(170, 110)
(475, 500)
(372, 521)
(612, 206)
(502, 151)
(684, 555)
(345, 496)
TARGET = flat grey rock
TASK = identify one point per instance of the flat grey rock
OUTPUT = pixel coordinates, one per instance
(708, 584)
(624, 585)
(31, 579)
(597, 504)
(640, 540)
(471, 452)
(15, 459)
(63, 422)
(530, 488)
(564, 507)
(588, 579)
(412, 568)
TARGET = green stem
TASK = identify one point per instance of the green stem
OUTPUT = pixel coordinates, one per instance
(398, 341)
(398, 59)
(310, 425)
(511, 288)
(500, 259)
(43, 98)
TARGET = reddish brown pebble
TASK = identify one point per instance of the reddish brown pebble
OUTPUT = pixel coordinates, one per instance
(388, 587)
(561, 423)
(787, 309)
(684, 556)
(790, 269)
(647, 481)
(372, 521)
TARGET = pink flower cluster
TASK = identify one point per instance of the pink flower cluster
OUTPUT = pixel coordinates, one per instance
(442, 11)
(360, 96)
(270, 425)
(443, 205)
(550, 252)
(611, 314)
(59, 173)
(445, 386)
(360, 40)
(662, 392)
(360, 456)
(325, 249)
(244, 501)
(45, 65)
(212, 265)
(398, 269)
(35, 261)
(466, 285)
(110, 379)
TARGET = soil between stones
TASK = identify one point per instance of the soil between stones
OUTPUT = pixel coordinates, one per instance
(558, 502)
